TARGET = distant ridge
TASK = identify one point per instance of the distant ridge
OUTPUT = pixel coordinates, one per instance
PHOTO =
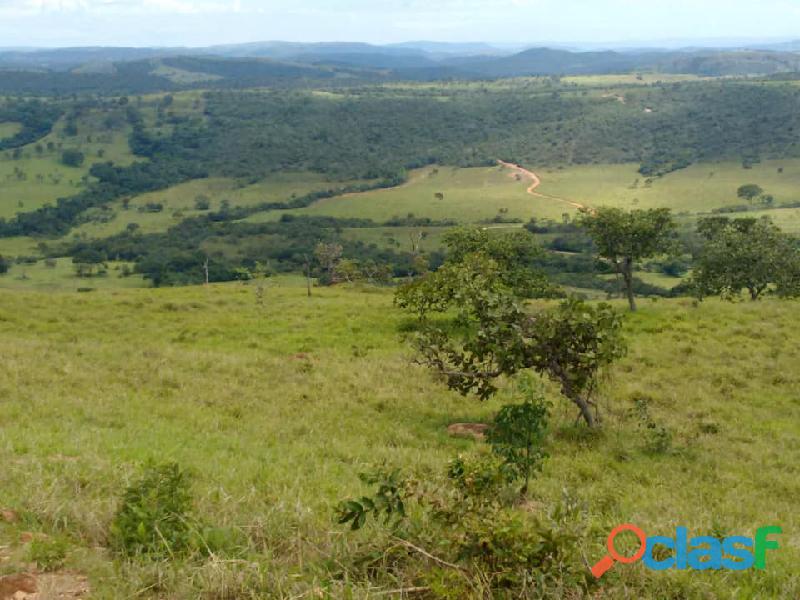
(277, 62)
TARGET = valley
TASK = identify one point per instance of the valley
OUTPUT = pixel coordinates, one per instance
(424, 320)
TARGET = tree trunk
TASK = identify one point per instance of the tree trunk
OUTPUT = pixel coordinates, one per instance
(586, 411)
(308, 277)
(627, 275)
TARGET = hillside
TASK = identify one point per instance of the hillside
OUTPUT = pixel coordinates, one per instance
(140, 70)
(275, 409)
(245, 176)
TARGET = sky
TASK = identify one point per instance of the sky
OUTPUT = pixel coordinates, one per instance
(52, 23)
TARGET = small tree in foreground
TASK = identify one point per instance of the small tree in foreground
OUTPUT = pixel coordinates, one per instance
(517, 434)
(746, 254)
(493, 335)
(623, 238)
(153, 518)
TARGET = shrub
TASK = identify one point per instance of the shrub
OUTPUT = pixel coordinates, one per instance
(72, 158)
(154, 517)
(518, 432)
(48, 554)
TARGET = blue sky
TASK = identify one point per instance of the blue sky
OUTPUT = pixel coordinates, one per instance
(204, 22)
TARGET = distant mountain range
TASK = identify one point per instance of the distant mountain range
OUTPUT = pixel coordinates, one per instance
(264, 63)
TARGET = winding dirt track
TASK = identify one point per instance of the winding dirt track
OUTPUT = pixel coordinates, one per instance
(536, 182)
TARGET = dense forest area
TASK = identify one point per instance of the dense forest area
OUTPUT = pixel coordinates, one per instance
(374, 134)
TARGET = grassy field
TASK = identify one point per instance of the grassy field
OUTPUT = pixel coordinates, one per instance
(475, 195)
(9, 129)
(470, 196)
(18, 246)
(179, 201)
(60, 276)
(629, 79)
(275, 409)
(787, 219)
(399, 238)
(699, 188)
(38, 177)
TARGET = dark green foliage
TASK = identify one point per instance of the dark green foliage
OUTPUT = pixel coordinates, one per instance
(658, 439)
(176, 257)
(49, 554)
(493, 335)
(571, 345)
(746, 254)
(37, 119)
(387, 501)
(479, 476)
(5, 264)
(113, 182)
(477, 263)
(202, 203)
(72, 158)
(749, 192)
(624, 238)
(517, 433)
(153, 518)
(514, 253)
(476, 532)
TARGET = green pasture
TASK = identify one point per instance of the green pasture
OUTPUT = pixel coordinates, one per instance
(629, 79)
(179, 202)
(9, 129)
(18, 246)
(60, 275)
(470, 195)
(787, 219)
(276, 408)
(699, 188)
(38, 177)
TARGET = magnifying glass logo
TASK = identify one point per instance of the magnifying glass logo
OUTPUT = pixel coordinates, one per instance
(605, 563)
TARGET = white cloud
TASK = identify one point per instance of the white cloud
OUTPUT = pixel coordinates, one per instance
(100, 7)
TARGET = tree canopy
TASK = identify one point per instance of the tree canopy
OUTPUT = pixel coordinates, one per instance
(493, 333)
(746, 254)
(623, 238)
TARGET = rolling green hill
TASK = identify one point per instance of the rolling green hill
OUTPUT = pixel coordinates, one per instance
(275, 409)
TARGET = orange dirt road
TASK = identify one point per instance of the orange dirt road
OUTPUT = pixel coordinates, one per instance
(536, 182)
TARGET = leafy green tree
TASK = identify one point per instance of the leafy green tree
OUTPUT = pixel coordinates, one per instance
(5, 264)
(517, 433)
(72, 158)
(750, 192)
(623, 238)
(327, 256)
(513, 252)
(493, 334)
(502, 261)
(746, 254)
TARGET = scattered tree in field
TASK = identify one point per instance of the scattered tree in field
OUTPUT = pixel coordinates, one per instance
(623, 238)
(72, 158)
(746, 254)
(749, 192)
(439, 196)
(327, 257)
(496, 336)
(202, 202)
(348, 270)
(5, 264)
